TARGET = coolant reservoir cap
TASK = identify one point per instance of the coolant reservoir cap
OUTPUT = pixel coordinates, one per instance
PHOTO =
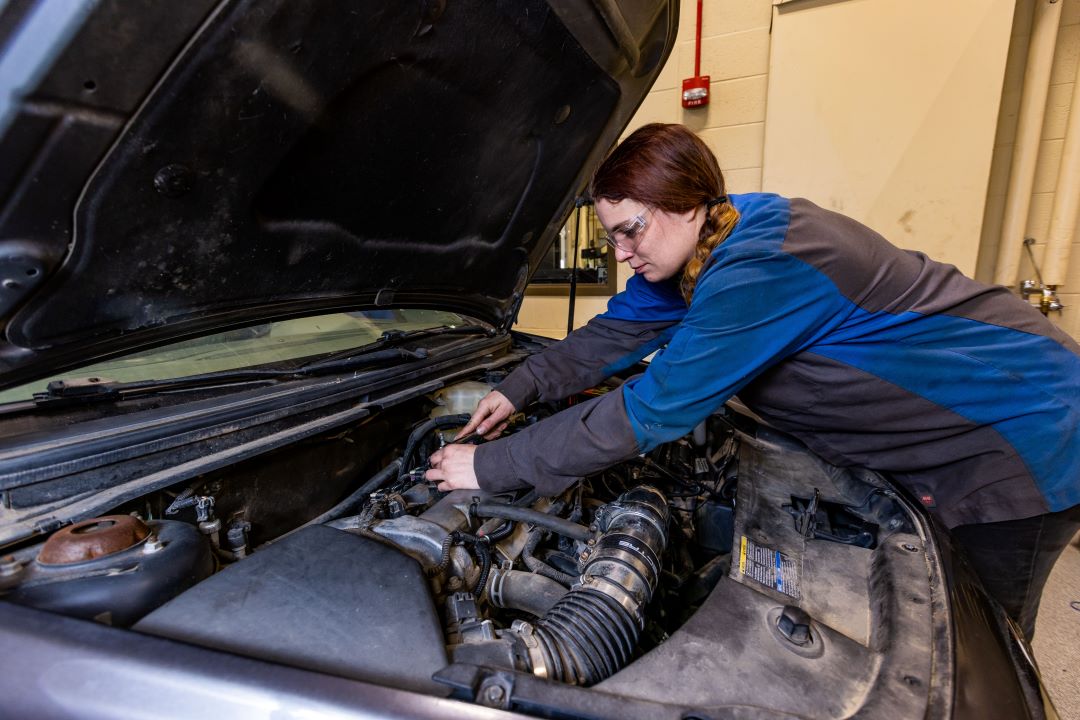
(93, 538)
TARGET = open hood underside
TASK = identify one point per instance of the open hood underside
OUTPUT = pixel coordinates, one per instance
(180, 168)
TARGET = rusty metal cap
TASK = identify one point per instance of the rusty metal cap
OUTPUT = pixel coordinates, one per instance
(92, 539)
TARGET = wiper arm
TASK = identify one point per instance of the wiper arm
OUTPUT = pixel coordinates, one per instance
(392, 338)
(83, 390)
(356, 359)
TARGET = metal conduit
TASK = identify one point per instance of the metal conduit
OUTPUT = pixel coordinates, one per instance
(1066, 198)
(1044, 30)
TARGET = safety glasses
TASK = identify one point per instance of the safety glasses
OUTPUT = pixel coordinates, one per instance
(628, 235)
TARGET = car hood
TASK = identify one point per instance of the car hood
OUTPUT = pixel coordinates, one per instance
(177, 168)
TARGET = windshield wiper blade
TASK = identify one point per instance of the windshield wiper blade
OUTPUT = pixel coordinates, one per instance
(391, 338)
(95, 389)
(99, 389)
(357, 359)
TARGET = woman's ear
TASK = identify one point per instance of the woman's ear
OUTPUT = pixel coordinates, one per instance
(696, 216)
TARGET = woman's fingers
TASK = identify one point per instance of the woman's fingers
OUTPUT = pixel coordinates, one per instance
(477, 417)
(497, 431)
(497, 410)
(483, 410)
(494, 409)
(452, 468)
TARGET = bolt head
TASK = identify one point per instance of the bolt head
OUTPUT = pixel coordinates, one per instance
(794, 624)
(495, 694)
(152, 545)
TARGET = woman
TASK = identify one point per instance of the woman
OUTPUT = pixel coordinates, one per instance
(873, 356)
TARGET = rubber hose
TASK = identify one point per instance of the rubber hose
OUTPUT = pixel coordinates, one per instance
(534, 517)
(376, 481)
(586, 637)
(500, 533)
(423, 429)
(518, 590)
(540, 567)
(592, 631)
(524, 501)
(465, 538)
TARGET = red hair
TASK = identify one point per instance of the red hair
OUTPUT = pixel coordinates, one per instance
(669, 168)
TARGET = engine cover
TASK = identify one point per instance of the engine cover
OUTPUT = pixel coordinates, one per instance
(321, 599)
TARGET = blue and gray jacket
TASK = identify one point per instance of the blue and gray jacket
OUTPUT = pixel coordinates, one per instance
(871, 355)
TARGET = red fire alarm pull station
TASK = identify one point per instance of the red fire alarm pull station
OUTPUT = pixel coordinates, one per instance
(695, 90)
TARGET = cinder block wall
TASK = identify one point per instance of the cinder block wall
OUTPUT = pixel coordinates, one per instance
(1059, 97)
(735, 54)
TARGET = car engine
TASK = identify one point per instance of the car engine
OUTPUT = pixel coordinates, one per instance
(400, 584)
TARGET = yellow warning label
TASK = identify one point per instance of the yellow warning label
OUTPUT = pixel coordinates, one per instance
(769, 567)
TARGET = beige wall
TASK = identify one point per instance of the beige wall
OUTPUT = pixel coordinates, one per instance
(735, 54)
(894, 129)
(1062, 80)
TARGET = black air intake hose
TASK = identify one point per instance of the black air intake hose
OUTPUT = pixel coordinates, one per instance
(592, 631)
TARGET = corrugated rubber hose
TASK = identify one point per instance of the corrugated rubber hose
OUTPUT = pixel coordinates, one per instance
(593, 630)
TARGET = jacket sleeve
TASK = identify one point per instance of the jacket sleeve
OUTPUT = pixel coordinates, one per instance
(554, 453)
(744, 319)
(638, 321)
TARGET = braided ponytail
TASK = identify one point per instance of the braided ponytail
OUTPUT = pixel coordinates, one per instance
(720, 220)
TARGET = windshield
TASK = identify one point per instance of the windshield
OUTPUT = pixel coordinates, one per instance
(247, 347)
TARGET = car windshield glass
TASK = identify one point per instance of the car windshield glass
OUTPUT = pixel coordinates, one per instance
(251, 346)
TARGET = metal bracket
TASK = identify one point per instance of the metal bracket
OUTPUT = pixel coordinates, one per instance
(1048, 299)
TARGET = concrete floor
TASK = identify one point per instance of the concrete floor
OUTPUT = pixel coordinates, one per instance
(1057, 633)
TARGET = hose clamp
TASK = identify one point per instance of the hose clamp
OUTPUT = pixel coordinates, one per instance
(495, 587)
(524, 631)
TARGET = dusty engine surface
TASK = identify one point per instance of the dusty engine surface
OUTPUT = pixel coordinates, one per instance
(397, 580)
(405, 586)
(322, 600)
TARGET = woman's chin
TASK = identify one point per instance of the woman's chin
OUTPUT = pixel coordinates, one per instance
(651, 274)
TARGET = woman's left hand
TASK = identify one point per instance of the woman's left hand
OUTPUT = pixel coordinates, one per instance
(452, 468)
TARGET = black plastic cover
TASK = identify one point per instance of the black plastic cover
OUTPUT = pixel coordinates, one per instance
(323, 600)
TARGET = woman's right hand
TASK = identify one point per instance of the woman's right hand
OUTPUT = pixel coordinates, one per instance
(490, 417)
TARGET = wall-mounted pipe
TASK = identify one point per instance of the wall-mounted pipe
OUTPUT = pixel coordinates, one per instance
(1044, 31)
(1066, 199)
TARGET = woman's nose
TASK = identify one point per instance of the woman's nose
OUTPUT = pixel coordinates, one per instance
(622, 255)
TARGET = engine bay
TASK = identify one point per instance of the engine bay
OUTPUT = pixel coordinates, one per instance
(692, 576)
